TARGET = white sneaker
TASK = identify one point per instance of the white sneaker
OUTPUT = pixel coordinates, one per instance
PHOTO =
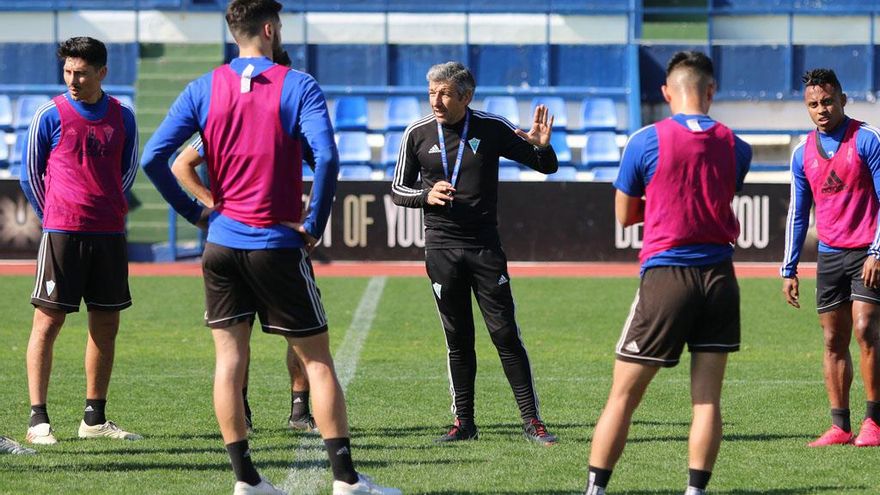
(264, 488)
(10, 446)
(364, 486)
(40, 434)
(108, 429)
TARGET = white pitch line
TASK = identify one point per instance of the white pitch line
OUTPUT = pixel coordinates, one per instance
(312, 477)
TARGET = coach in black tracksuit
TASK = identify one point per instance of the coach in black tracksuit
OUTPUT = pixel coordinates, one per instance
(455, 151)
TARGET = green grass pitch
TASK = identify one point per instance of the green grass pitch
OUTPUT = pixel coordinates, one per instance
(774, 401)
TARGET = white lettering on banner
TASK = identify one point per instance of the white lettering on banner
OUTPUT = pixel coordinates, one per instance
(356, 220)
(753, 213)
(405, 225)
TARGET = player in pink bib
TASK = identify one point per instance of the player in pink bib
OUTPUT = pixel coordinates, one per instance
(838, 168)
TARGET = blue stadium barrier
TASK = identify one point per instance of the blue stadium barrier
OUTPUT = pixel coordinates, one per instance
(851, 63)
(5, 113)
(510, 65)
(355, 172)
(122, 63)
(652, 68)
(353, 148)
(29, 63)
(556, 106)
(736, 81)
(400, 112)
(559, 141)
(605, 174)
(391, 149)
(602, 66)
(409, 63)
(598, 114)
(349, 65)
(505, 106)
(508, 171)
(350, 113)
(600, 150)
(25, 108)
(566, 173)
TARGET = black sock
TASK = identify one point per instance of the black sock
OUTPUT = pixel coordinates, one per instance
(299, 404)
(94, 413)
(339, 451)
(38, 415)
(698, 479)
(244, 469)
(840, 418)
(597, 478)
(873, 410)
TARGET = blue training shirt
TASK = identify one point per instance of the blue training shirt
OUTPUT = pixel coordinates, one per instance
(637, 167)
(304, 116)
(798, 221)
(45, 132)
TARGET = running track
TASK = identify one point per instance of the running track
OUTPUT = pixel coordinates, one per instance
(416, 269)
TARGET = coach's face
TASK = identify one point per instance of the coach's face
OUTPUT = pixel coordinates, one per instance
(825, 105)
(448, 106)
(83, 79)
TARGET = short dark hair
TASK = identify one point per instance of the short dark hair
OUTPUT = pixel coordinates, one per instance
(89, 49)
(246, 17)
(821, 77)
(694, 60)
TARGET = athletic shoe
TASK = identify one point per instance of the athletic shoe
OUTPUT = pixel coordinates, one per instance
(535, 431)
(364, 486)
(306, 423)
(869, 436)
(108, 429)
(263, 488)
(834, 436)
(41, 434)
(10, 446)
(458, 432)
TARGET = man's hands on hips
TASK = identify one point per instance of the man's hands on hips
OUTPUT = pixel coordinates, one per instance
(791, 291)
(440, 194)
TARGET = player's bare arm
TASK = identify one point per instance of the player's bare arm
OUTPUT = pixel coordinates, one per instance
(791, 291)
(542, 126)
(184, 169)
(629, 210)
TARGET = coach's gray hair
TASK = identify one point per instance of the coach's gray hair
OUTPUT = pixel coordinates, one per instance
(455, 73)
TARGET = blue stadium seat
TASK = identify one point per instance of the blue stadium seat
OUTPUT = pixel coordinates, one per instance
(5, 113)
(18, 147)
(504, 106)
(401, 111)
(351, 113)
(4, 151)
(600, 150)
(355, 172)
(559, 141)
(391, 148)
(25, 108)
(605, 174)
(599, 114)
(508, 171)
(353, 148)
(566, 173)
(556, 106)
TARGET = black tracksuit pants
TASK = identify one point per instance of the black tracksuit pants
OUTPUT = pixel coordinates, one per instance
(454, 273)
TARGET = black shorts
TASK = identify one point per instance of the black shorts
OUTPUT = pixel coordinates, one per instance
(839, 280)
(90, 267)
(276, 284)
(677, 305)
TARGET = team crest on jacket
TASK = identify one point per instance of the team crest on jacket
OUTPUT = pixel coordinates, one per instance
(475, 143)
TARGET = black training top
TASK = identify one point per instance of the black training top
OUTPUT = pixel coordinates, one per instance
(471, 219)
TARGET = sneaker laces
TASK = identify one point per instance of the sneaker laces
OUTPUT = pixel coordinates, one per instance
(540, 429)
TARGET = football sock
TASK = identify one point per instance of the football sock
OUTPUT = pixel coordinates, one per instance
(339, 451)
(244, 469)
(840, 418)
(94, 412)
(698, 479)
(38, 415)
(597, 481)
(873, 410)
(299, 404)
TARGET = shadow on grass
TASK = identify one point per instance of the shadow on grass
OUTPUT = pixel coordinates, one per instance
(763, 437)
(561, 491)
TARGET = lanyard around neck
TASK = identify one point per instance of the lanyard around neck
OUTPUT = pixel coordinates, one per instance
(461, 147)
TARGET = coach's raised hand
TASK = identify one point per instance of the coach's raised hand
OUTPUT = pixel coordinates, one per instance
(440, 193)
(542, 125)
